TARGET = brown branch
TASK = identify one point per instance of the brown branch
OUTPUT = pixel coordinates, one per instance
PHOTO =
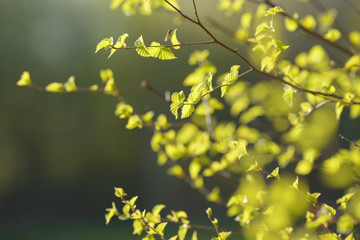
(329, 96)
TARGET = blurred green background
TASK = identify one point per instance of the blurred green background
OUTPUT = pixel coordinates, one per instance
(61, 155)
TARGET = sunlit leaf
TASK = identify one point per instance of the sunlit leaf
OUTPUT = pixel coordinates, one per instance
(174, 40)
(105, 43)
(24, 79)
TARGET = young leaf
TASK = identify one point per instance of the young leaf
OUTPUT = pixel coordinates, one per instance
(296, 183)
(233, 75)
(174, 40)
(187, 110)
(312, 197)
(141, 47)
(224, 89)
(274, 173)
(105, 43)
(274, 11)
(109, 86)
(94, 88)
(160, 228)
(119, 44)
(70, 85)
(24, 79)
(119, 192)
(208, 81)
(133, 122)
(333, 35)
(182, 231)
(157, 51)
(224, 235)
(339, 106)
(55, 87)
(194, 236)
(308, 22)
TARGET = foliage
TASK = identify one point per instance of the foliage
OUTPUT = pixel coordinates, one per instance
(276, 134)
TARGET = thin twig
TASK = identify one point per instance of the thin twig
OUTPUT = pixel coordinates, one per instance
(145, 85)
(349, 141)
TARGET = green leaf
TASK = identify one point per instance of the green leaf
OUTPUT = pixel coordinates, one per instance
(157, 209)
(303, 167)
(288, 95)
(110, 86)
(160, 228)
(224, 89)
(265, 62)
(134, 122)
(296, 183)
(182, 231)
(138, 227)
(24, 79)
(105, 43)
(147, 117)
(354, 38)
(176, 171)
(106, 74)
(329, 236)
(194, 97)
(209, 212)
(345, 224)
(94, 88)
(141, 47)
(339, 106)
(198, 57)
(350, 237)
(55, 87)
(70, 85)
(157, 51)
(308, 22)
(161, 122)
(274, 11)
(123, 110)
(233, 75)
(194, 169)
(119, 192)
(174, 40)
(224, 235)
(115, 4)
(111, 213)
(291, 24)
(274, 173)
(187, 110)
(353, 63)
(208, 81)
(194, 236)
(312, 197)
(262, 27)
(214, 195)
(333, 35)
(119, 44)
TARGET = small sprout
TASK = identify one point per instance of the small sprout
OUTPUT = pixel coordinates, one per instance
(24, 79)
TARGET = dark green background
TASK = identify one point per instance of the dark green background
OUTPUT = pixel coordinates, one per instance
(61, 155)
